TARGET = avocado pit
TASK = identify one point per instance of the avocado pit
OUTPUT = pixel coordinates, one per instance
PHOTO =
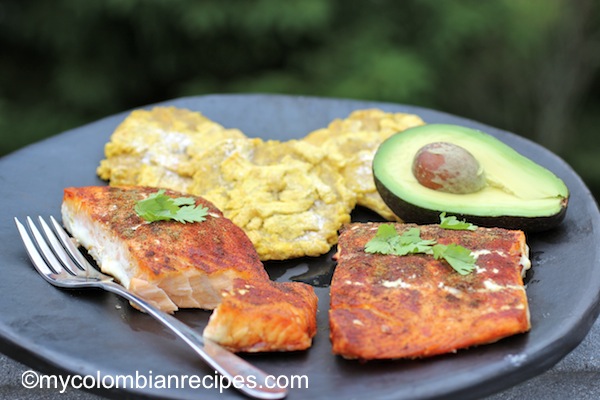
(449, 168)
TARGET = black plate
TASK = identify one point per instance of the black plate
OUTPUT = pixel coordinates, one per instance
(69, 332)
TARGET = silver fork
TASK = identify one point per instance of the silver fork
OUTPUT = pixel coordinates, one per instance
(58, 260)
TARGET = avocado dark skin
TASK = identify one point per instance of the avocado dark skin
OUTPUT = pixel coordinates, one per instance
(414, 214)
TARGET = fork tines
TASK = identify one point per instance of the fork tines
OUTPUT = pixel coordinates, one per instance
(52, 253)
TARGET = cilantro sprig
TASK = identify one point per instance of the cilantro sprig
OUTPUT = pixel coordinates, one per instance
(160, 207)
(388, 241)
(452, 222)
(459, 257)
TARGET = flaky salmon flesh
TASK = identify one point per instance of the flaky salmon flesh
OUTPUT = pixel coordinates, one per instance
(413, 306)
(186, 265)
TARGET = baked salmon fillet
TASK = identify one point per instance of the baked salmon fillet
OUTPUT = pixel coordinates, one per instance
(168, 263)
(413, 306)
(282, 314)
(183, 265)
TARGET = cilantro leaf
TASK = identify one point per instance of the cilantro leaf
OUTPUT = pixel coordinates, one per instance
(411, 243)
(156, 207)
(387, 241)
(452, 222)
(191, 214)
(184, 201)
(383, 241)
(459, 257)
(160, 207)
(411, 236)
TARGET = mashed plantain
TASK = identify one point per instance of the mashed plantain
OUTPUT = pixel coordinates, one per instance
(291, 198)
(159, 147)
(355, 140)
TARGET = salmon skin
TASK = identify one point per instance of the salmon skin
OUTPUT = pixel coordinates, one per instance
(413, 306)
(175, 265)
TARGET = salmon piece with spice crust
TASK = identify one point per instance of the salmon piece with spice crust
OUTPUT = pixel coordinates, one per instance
(285, 310)
(166, 262)
(186, 265)
(389, 306)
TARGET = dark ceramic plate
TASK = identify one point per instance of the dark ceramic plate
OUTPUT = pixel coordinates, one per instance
(67, 332)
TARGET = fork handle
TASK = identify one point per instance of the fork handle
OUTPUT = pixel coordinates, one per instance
(242, 375)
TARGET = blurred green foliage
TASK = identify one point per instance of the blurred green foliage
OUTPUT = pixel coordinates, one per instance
(530, 67)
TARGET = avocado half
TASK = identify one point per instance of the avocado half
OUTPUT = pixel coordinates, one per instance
(518, 193)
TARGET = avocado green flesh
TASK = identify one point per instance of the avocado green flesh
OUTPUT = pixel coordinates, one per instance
(515, 185)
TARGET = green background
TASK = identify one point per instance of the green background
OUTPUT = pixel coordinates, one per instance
(526, 66)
